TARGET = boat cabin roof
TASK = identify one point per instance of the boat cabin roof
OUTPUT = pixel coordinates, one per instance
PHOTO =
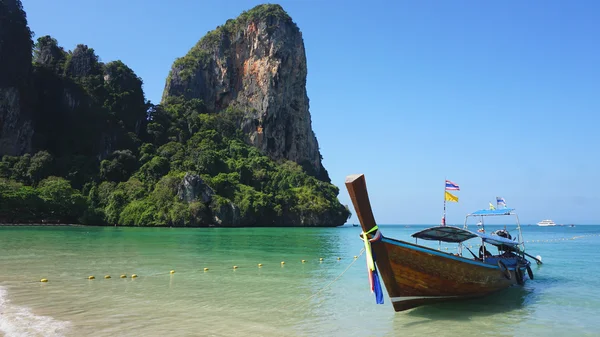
(489, 212)
(455, 235)
(445, 234)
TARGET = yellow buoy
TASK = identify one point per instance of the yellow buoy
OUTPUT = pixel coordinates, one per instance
(356, 257)
(172, 272)
(91, 277)
(320, 259)
(303, 261)
(205, 269)
(234, 267)
(123, 276)
(133, 275)
(282, 262)
(107, 276)
(339, 258)
(260, 264)
(44, 280)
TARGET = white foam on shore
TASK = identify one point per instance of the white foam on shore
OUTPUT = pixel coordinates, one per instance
(20, 321)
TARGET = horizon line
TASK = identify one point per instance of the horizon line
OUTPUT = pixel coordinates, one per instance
(430, 224)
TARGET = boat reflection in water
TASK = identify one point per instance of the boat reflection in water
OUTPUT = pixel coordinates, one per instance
(416, 275)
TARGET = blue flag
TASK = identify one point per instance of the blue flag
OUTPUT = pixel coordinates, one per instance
(377, 286)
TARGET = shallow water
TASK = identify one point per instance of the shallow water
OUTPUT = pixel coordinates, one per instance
(274, 300)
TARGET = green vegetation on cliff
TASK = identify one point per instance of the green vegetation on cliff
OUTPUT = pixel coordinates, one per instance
(198, 55)
(103, 154)
(146, 186)
(268, 13)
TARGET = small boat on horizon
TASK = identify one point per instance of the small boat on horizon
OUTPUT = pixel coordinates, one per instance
(416, 275)
(546, 223)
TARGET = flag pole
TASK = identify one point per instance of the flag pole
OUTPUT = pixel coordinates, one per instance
(444, 216)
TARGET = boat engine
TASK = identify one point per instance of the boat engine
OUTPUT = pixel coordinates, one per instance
(503, 233)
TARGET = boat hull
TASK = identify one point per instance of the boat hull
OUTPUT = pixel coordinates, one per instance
(415, 275)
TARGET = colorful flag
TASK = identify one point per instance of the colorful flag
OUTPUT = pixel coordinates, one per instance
(450, 197)
(377, 287)
(450, 186)
(371, 267)
(500, 202)
(492, 207)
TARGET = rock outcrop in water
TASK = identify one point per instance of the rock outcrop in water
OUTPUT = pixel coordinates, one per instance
(256, 63)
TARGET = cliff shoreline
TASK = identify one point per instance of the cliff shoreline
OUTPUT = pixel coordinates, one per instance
(61, 224)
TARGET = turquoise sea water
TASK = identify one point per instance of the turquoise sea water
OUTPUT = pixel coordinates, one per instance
(273, 300)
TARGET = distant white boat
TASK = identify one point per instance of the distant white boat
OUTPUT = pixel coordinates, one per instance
(546, 223)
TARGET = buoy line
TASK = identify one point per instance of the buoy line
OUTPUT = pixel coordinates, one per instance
(123, 276)
(260, 265)
(282, 264)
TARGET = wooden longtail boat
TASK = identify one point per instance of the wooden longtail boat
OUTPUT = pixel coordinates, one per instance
(416, 275)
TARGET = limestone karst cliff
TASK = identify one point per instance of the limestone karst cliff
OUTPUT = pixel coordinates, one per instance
(256, 63)
(16, 129)
(79, 142)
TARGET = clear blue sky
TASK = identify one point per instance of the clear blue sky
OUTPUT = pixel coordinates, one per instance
(499, 97)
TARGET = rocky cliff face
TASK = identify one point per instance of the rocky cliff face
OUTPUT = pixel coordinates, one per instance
(89, 124)
(16, 129)
(255, 63)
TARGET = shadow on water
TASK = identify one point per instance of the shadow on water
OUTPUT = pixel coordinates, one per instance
(511, 299)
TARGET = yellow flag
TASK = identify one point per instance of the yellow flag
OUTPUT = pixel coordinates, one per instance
(450, 197)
